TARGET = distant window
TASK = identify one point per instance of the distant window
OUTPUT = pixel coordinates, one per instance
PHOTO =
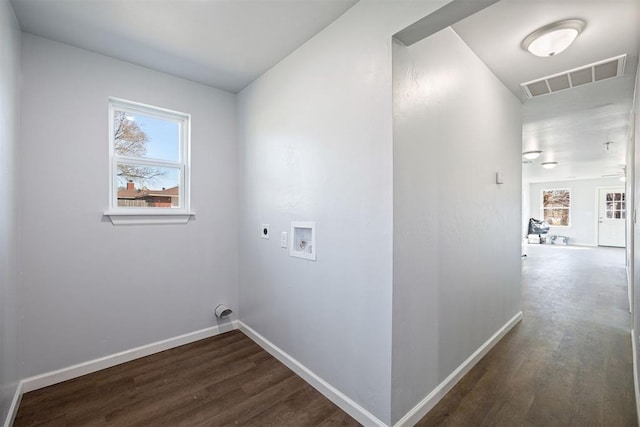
(556, 207)
(149, 152)
(616, 206)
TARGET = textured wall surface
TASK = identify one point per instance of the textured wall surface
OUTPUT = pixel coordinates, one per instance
(456, 241)
(90, 288)
(315, 140)
(9, 194)
(635, 139)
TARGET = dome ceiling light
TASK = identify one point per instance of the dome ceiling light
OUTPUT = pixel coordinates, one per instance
(552, 39)
(531, 154)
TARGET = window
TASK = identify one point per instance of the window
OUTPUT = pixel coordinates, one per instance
(149, 154)
(615, 208)
(556, 206)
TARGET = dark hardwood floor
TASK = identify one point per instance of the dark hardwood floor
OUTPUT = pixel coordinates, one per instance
(568, 363)
(224, 380)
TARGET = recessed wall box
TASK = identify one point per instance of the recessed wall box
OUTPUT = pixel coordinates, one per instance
(303, 240)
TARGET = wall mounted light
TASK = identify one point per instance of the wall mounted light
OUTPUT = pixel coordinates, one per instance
(553, 38)
(532, 154)
(549, 165)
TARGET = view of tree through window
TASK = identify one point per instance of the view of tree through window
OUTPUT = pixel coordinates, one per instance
(130, 140)
(556, 206)
(147, 155)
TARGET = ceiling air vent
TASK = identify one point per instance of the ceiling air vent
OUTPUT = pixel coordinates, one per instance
(602, 70)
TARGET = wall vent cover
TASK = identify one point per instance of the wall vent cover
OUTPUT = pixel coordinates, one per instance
(588, 74)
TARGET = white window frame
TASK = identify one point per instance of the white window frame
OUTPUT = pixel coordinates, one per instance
(569, 208)
(623, 211)
(151, 215)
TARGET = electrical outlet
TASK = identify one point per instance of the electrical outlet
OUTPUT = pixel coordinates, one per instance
(283, 239)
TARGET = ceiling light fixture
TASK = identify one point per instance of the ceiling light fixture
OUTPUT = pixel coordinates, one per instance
(552, 39)
(549, 165)
(532, 154)
(623, 178)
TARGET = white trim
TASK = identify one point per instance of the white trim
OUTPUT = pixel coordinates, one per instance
(165, 217)
(148, 109)
(597, 210)
(352, 408)
(636, 386)
(542, 216)
(426, 404)
(15, 404)
(54, 377)
(183, 164)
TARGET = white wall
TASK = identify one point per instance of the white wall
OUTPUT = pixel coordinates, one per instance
(456, 248)
(315, 135)
(90, 288)
(635, 269)
(629, 224)
(9, 191)
(584, 215)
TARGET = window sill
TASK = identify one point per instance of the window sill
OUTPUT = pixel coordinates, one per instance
(156, 217)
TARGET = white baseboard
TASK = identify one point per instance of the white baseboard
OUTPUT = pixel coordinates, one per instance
(636, 386)
(352, 408)
(344, 402)
(15, 403)
(54, 377)
(426, 404)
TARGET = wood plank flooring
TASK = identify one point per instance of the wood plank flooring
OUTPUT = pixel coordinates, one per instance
(219, 381)
(568, 363)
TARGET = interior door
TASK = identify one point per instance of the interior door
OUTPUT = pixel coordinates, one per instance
(611, 217)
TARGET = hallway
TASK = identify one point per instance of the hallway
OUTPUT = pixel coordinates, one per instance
(568, 362)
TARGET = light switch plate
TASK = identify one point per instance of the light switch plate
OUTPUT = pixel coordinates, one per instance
(283, 239)
(264, 231)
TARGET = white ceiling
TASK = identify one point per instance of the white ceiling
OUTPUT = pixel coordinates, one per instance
(220, 43)
(229, 43)
(572, 126)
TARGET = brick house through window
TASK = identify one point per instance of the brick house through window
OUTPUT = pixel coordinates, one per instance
(144, 197)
